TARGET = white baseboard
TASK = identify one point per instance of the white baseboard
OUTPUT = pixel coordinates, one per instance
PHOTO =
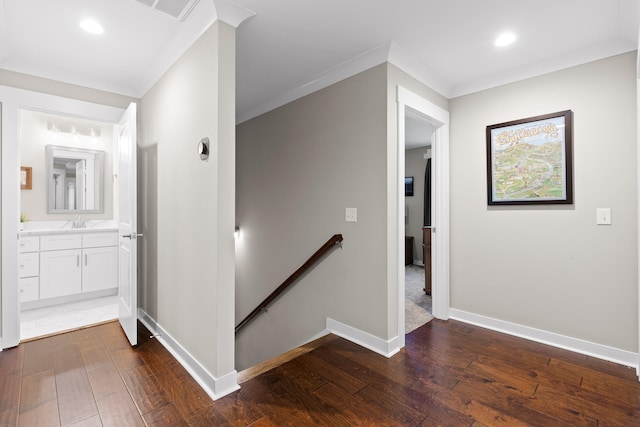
(365, 339)
(622, 357)
(214, 387)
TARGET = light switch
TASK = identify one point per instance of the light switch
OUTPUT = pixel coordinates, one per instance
(351, 215)
(603, 216)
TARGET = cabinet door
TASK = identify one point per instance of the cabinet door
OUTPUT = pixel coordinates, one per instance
(99, 268)
(60, 273)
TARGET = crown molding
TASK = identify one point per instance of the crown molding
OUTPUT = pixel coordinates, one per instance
(389, 52)
(351, 67)
(205, 13)
(558, 63)
(231, 12)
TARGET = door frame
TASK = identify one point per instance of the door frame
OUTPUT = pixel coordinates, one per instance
(439, 119)
(12, 101)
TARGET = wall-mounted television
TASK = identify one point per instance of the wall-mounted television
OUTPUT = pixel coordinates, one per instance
(408, 186)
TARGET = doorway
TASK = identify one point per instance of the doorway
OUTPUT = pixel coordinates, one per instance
(13, 102)
(71, 160)
(414, 105)
(417, 219)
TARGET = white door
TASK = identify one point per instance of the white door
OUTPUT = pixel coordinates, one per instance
(127, 225)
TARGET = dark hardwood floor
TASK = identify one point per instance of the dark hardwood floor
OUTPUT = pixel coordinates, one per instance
(449, 373)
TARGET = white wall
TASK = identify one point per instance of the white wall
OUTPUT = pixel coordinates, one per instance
(34, 137)
(415, 165)
(188, 204)
(551, 267)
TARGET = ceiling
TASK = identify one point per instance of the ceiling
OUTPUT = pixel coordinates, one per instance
(293, 46)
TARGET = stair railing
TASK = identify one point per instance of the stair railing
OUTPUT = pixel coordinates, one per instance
(337, 238)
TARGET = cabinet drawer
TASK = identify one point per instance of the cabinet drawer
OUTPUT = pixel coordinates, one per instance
(60, 241)
(29, 289)
(29, 264)
(97, 240)
(29, 244)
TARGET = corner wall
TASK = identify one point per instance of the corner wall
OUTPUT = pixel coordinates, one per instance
(551, 267)
(187, 267)
(298, 168)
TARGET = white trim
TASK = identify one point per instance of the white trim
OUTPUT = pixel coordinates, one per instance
(232, 13)
(567, 60)
(417, 69)
(364, 339)
(205, 13)
(351, 67)
(214, 387)
(388, 52)
(638, 201)
(622, 357)
(439, 118)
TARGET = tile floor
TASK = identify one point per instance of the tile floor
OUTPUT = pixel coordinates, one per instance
(63, 317)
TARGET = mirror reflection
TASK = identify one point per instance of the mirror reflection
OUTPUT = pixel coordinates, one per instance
(75, 180)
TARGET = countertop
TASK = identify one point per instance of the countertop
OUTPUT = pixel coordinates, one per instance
(39, 232)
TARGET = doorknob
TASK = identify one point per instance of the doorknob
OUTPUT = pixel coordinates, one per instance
(132, 235)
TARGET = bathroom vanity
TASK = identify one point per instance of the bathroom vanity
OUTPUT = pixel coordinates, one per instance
(64, 265)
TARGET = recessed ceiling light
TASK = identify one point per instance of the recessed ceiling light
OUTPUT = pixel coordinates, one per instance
(91, 26)
(505, 39)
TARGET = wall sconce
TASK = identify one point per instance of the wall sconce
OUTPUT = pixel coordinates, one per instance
(236, 233)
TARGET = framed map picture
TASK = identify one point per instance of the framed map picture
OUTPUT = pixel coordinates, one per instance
(529, 161)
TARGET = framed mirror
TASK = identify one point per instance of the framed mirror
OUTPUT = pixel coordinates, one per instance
(75, 180)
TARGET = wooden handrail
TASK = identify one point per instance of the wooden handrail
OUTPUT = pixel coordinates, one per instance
(337, 238)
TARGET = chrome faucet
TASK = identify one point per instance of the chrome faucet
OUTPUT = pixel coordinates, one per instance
(78, 223)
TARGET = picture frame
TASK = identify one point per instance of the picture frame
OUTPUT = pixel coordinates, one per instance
(26, 177)
(529, 161)
(408, 186)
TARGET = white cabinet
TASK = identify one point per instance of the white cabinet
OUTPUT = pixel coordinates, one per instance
(56, 242)
(29, 244)
(56, 267)
(29, 264)
(29, 268)
(60, 273)
(29, 289)
(100, 268)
